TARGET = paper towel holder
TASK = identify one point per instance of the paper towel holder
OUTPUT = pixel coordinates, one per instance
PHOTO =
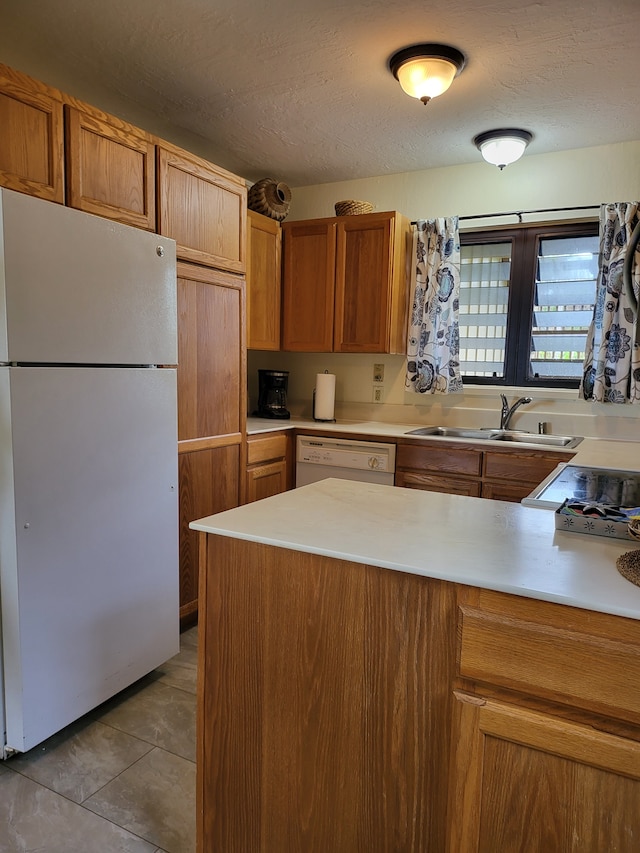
(320, 420)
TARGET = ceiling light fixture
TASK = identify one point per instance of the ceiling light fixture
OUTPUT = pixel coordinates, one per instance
(502, 147)
(426, 70)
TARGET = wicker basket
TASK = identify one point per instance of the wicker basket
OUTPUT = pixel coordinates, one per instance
(269, 197)
(350, 207)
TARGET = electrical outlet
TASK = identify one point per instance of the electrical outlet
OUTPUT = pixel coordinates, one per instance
(378, 372)
(378, 394)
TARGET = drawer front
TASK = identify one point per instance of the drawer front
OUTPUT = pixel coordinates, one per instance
(563, 654)
(438, 483)
(530, 468)
(266, 447)
(447, 459)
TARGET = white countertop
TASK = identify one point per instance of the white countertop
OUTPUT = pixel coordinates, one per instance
(490, 544)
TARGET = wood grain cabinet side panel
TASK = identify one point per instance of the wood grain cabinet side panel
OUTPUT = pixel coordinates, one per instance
(110, 168)
(334, 679)
(31, 136)
(203, 208)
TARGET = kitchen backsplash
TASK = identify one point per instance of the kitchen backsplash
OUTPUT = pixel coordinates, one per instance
(478, 406)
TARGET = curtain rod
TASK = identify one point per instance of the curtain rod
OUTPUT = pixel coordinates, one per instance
(521, 213)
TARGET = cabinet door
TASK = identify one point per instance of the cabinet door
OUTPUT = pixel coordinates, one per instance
(528, 781)
(363, 277)
(263, 282)
(209, 483)
(308, 285)
(203, 208)
(110, 168)
(266, 480)
(31, 136)
(211, 354)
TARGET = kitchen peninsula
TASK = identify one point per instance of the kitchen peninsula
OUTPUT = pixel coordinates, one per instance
(384, 669)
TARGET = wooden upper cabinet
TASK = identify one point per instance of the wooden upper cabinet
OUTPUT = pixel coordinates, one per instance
(346, 284)
(263, 282)
(203, 208)
(371, 284)
(110, 167)
(308, 285)
(31, 136)
(211, 354)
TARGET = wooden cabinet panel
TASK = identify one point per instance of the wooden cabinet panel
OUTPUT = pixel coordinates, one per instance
(262, 448)
(263, 282)
(263, 481)
(438, 457)
(334, 677)
(110, 168)
(203, 208)
(372, 283)
(437, 483)
(530, 467)
(363, 272)
(31, 136)
(513, 492)
(534, 647)
(528, 781)
(209, 483)
(211, 353)
(308, 285)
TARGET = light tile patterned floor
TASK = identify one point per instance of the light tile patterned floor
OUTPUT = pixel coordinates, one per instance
(120, 780)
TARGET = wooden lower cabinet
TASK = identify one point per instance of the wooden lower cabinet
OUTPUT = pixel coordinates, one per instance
(459, 469)
(269, 465)
(344, 707)
(208, 483)
(530, 781)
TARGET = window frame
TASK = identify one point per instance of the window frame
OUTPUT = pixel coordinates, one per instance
(525, 240)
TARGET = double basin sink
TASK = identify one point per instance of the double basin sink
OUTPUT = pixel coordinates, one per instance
(516, 436)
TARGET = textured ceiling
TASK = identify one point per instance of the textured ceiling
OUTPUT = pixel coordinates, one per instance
(300, 89)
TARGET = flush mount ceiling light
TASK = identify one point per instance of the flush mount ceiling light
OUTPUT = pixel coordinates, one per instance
(426, 70)
(502, 147)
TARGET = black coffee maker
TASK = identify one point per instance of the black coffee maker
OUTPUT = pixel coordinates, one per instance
(272, 394)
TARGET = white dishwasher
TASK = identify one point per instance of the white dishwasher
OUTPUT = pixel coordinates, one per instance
(367, 461)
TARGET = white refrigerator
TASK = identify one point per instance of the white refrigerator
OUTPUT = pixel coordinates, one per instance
(88, 463)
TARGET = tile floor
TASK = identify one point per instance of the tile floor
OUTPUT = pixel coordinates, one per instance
(119, 780)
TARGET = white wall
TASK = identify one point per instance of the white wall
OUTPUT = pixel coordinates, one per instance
(582, 177)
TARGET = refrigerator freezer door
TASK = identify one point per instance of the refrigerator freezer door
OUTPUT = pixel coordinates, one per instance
(79, 289)
(88, 538)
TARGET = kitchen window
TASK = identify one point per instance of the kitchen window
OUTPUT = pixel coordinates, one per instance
(526, 302)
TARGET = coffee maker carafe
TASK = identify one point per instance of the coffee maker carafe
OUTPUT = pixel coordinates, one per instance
(272, 394)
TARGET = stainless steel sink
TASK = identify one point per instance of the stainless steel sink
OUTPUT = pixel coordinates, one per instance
(515, 436)
(455, 432)
(567, 441)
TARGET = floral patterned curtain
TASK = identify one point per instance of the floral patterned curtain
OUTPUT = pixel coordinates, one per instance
(611, 372)
(433, 339)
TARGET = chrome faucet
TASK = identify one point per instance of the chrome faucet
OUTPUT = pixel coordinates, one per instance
(506, 413)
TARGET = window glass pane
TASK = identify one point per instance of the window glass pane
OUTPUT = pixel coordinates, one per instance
(485, 270)
(564, 294)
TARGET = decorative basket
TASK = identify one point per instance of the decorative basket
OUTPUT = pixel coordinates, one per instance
(269, 197)
(350, 207)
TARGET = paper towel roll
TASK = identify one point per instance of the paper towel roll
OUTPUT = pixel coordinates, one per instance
(325, 397)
